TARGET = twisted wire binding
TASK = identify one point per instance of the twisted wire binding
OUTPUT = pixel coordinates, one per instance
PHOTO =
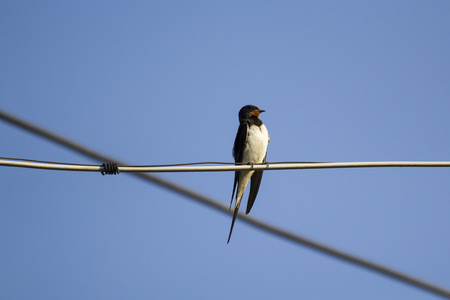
(110, 169)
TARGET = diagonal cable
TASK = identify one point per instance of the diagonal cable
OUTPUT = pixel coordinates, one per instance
(224, 208)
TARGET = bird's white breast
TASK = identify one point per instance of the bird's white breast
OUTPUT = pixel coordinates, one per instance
(256, 144)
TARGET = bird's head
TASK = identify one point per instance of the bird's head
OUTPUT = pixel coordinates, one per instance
(249, 111)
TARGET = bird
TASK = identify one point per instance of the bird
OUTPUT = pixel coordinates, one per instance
(250, 147)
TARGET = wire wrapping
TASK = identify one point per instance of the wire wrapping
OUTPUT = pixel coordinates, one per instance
(110, 169)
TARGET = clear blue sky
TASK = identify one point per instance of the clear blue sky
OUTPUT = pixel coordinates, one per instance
(162, 82)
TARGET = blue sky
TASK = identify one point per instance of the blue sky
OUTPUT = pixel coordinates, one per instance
(162, 82)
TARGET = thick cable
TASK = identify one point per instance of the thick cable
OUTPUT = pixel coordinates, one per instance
(224, 208)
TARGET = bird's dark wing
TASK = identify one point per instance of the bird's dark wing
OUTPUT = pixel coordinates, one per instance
(254, 187)
(239, 142)
(238, 152)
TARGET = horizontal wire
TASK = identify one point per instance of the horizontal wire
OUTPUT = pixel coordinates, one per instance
(188, 167)
(165, 165)
(393, 274)
(40, 161)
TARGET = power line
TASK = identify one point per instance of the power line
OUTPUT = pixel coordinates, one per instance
(188, 167)
(224, 208)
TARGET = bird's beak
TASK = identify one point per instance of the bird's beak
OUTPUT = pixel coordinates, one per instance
(261, 110)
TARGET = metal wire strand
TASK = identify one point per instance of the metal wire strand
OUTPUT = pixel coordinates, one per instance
(218, 167)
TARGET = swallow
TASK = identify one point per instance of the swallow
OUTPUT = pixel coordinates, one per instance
(250, 147)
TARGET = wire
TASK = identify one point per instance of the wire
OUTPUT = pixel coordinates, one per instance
(167, 165)
(224, 208)
(188, 167)
(40, 161)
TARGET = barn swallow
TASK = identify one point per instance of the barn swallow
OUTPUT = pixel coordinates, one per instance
(250, 147)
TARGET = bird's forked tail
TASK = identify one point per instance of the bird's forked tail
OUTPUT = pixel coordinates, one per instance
(236, 209)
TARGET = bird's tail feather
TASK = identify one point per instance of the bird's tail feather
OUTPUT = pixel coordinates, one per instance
(236, 179)
(236, 209)
(242, 181)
